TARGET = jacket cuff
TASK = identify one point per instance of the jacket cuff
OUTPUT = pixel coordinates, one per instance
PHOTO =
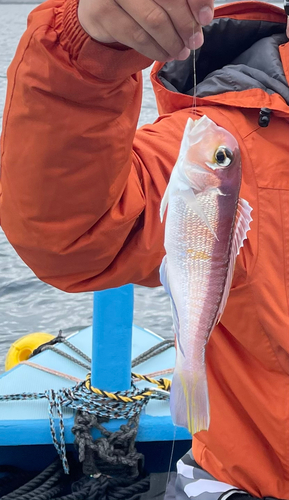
(105, 61)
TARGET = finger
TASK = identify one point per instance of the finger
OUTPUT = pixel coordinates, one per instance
(183, 21)
(126, 31)
(287, 30)
(203, 10)
(156, 23)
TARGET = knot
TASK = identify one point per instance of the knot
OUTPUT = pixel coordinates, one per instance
(52, 342)
(113, 453)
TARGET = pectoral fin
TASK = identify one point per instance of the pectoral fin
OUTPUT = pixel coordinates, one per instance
(192, 201)
(242, 226)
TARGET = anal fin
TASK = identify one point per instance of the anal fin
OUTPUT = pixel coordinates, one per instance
(164, 278)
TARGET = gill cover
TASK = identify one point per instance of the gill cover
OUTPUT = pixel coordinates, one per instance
(180, 184)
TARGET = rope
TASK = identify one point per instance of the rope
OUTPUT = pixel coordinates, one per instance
(127, 396)
(113, 454)
(162, 383)
(168, 371)
(50, 345)
(111, 464)
(130, 491)
(53, 341)
(153, 351)
(78, 380)
(52, 372)
(102, 404)
(55, 403)
(35, 482)
(97, 406)
(11, 478)
(66, 355)
(76, 350)
(51, 484)
(61, 339)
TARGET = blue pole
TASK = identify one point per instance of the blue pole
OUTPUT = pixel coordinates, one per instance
(112, 339)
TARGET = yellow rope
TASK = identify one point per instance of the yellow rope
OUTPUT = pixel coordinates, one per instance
(164, 384)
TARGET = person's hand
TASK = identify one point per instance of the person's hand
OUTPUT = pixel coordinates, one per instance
(159, 29)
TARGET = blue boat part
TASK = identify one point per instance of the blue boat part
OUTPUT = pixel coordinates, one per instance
(112, 338)
(25, 425)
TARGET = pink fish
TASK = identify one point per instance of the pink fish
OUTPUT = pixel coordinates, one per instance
(206, 226)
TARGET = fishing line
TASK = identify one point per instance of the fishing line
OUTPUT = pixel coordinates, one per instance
(194, 105)
(171, 457)
(194, 109)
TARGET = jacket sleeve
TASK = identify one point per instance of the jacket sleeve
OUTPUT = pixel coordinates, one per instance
(80, 192)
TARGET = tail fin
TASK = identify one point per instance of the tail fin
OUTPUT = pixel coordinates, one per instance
(189, 401)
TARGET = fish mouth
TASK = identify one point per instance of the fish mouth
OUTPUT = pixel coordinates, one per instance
(197, 128)
(202, 123)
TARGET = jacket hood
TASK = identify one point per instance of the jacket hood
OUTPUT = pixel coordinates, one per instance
(245, 48)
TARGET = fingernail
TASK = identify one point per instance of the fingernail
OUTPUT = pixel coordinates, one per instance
(206, 15)
(184, 54)
(196, 40)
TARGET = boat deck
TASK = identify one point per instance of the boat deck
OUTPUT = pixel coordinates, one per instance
(26, 422)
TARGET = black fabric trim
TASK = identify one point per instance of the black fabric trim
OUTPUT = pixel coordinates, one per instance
(235, 494)
(226, 40)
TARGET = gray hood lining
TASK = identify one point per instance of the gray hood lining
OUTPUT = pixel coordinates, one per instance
(237, 55)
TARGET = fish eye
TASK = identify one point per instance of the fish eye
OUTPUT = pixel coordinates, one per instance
(223, 156)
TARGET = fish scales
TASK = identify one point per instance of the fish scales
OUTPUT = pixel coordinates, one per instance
(201, 273)
(201, 227)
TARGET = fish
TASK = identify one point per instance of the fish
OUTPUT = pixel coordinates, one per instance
(206, 225)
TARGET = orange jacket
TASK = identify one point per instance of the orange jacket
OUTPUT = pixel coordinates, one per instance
(80, 202)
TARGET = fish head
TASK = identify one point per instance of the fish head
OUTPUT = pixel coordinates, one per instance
(210, 157)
